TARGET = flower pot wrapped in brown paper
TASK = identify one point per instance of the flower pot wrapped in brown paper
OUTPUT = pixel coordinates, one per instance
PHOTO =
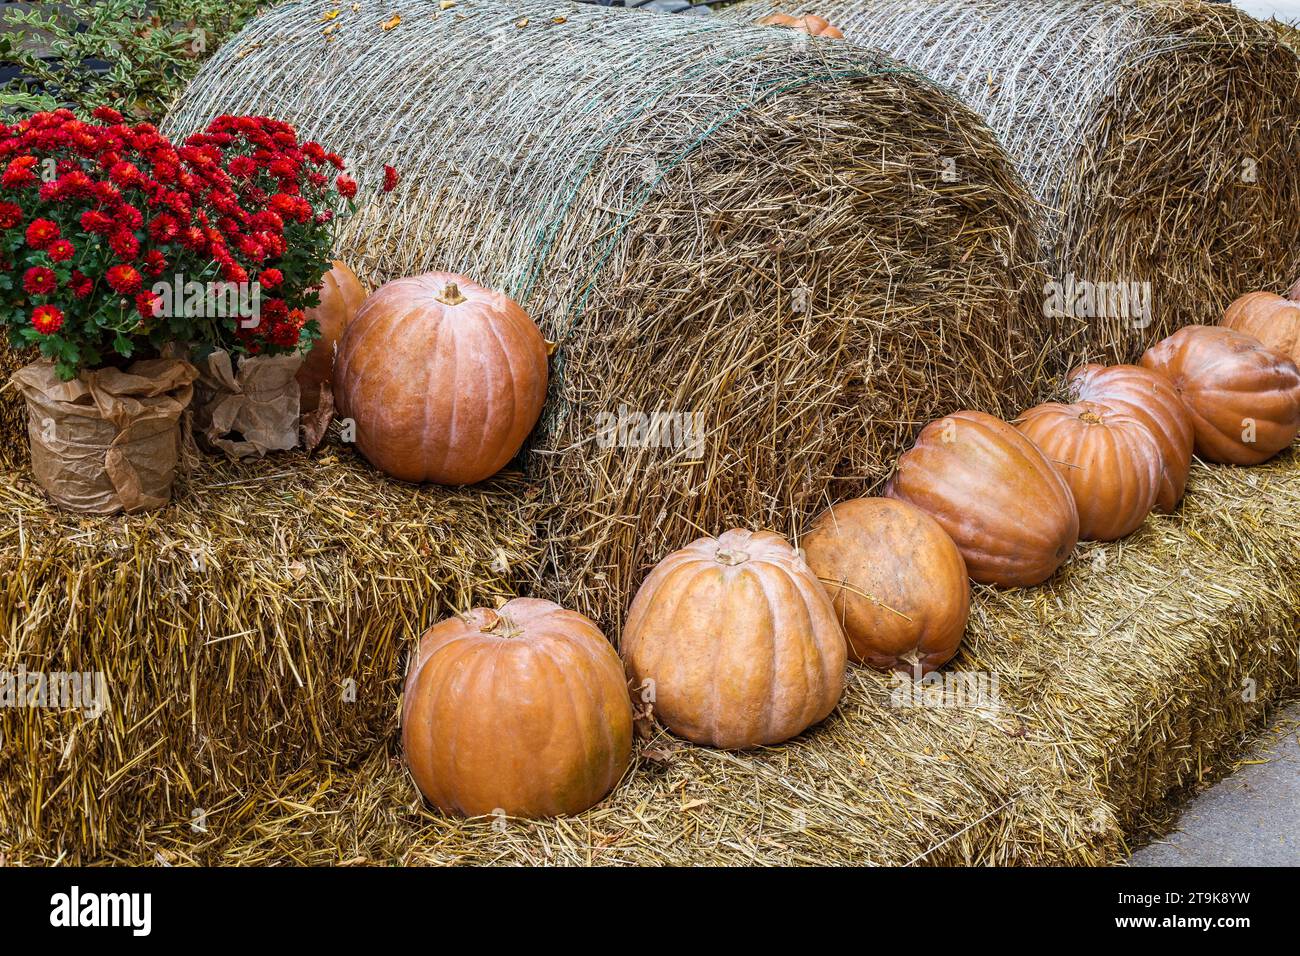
(250, 411)
(108, 440)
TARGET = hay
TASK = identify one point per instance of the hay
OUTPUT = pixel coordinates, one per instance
(13, 410)
(1162, 135)
(660, 195)
(1121, 690)
(227, 628)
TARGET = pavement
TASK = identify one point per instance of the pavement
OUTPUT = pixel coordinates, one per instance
(1249, 818)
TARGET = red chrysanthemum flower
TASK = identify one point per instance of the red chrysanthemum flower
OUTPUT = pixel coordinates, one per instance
(251, 248)
(390, 178)
(61, 250)
(270, 278)
(128, 217)
(347, 186)
(94, 221)
(75, 183)
(163, 228)
(148, 304)
(106, 114)
(41, 233)
(125, 174)
(124, 244)
(11, 214)
(39, 280)
(154, 263)
(80, 284)
(124, 279)
(47, 319)
(19, 172)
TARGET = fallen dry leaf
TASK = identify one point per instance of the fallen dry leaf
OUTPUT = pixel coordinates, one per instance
(316, 425)
(392, 22)
(329, 15)
(659, 755)
(521, 23)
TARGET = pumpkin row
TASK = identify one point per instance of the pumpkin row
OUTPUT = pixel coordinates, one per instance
(743, 640)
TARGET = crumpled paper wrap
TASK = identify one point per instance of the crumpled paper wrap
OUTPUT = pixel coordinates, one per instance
(250, 411)
(108, 440)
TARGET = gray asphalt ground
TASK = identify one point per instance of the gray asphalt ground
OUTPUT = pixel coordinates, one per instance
(1249, 818)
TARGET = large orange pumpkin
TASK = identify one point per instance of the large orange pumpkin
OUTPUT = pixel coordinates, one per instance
(341, 294)
(1152, 400)
(811, 24)
(1244, 399)
(522, 709)
(443, 378)
(1110, 460)
(1004, 505)
(1273, 320)
(735, 642)
(896, 580)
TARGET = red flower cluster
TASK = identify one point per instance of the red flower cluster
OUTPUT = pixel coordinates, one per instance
(91, 215)
(275, 229)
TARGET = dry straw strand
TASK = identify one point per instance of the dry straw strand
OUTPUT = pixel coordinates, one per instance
(709, 219)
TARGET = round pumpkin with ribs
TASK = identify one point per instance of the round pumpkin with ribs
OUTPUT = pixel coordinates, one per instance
(443, 378)
(811, 24)
(897, 582)
(341, 294)
(735, 643)
(1004, 505)
(1273, 320)
(1110, 460)
(523, 709)
(1152, 400)
(1243, 398)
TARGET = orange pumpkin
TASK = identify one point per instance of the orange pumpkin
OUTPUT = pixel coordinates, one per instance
(735, 642)
(443, 378)
(811, 24)
(896, 580)
(341, 294)
(522, 710)
(1004, 505)
(1244, 399)
(1110, 460)
(1273, 320)
(1151, 399)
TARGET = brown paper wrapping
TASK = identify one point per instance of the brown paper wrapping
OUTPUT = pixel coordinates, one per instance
(108, 440)
(249, 412)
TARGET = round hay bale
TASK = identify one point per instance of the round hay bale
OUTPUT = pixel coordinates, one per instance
(764, 265)
(1162, 137)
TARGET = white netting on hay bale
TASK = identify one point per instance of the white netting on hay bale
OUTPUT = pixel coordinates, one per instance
(1161, 136)
(712, 221)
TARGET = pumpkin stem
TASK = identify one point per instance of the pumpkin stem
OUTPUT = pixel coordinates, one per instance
(1092, 418)
(450, 295)
(501, 626)
(731, 558)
